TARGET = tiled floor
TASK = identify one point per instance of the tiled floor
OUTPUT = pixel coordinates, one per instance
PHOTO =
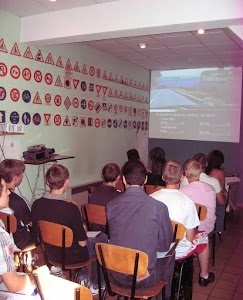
(228, 268)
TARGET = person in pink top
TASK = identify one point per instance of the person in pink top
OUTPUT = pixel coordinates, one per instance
(200, 192)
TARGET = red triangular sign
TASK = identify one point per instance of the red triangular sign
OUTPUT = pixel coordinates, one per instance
(121, 95)
(84, 70)
(39, 56)
(105, 75)
(3, 46)
(58, 82)
(116, 94)
(47, 119)
(59, 62)
(76, 67)
(68, 65)
(75, 83)
(110, 94)
(28, 53)
(37, 99)
(104, 88)
(15, 50)
(110, 77)
(49, 60)
(66, 121)
(116, 78)
(98, 88)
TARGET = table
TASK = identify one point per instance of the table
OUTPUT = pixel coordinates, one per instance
(41, 169)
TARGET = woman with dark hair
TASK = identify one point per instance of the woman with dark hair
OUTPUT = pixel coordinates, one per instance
(133, 157)
(157, 155)
(213, 169)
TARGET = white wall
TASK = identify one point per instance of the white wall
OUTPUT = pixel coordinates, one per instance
(92, 147)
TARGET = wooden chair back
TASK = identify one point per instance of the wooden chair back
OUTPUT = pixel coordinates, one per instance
(150, 189)
(55, 234)
(201, 211)
(178, 230)
(121, 259)
(52, 287)
(93, 213)
(9, 221)
(120, 185)
(71, 201)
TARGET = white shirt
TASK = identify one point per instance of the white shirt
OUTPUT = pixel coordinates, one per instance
(181, 209)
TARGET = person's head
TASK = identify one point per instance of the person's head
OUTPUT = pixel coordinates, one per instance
(134, 173)
(202, 159)
(157, 153)
(12, 171)
(4, 193)
(133, 155)
(215, 159)
(172, 172)
(111, 172)
(192, 169)
(57, 177)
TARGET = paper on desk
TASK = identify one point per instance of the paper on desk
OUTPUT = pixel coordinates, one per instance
(92, 234)
(163, 254)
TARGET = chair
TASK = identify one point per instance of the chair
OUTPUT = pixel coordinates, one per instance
(202, 214)
(10, 223)
(126, 261)
(60, 236)
(95, 214)
(150, 188)
(182, 282)
(52, 287)
(120, 185)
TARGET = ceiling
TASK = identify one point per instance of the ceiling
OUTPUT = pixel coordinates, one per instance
(216, 48)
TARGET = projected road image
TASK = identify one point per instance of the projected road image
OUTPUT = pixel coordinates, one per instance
(170, 98)
(196, 104)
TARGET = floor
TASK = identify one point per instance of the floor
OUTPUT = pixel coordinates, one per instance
(228, 268)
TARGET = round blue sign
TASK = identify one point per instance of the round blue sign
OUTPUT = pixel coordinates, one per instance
(3, 93)
(83, 103)
(26, 96)
(115, 123)
(26, 118)
(109, 123)
(37, 119)
(83, 86)
(14, 117)
(125, 124)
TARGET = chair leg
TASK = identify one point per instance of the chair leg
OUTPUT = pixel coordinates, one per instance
(163, 293)
(213, 249)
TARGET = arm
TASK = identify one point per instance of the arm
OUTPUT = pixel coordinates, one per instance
(190, 233)
(165, 236)
(79, 232)
(16, 282)
(220, 198)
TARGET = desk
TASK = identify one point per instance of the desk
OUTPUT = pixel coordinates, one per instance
(41, 169)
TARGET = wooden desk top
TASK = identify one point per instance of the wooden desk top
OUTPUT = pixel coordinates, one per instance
(53, 158)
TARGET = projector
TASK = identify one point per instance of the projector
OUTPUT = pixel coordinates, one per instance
(38, 152)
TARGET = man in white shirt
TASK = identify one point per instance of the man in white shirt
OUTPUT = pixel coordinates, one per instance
(182, 209)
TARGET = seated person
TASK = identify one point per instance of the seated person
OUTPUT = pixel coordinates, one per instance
(157, 155)
(12, 171)
(103, 193)
(200, 192)
(52, 207)
(11, 281)
(127, 215)
(183, 210)
(220, 201)
(133, 156)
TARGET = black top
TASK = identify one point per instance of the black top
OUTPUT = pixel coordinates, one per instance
(156, 180)
(102, 194)
(22, 236)
(138, 221)
(54, 208)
